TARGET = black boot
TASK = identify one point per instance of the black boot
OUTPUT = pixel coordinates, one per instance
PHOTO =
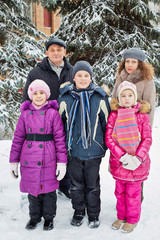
(93, 222)
(32, 224)
(48, 225)
(77, 219)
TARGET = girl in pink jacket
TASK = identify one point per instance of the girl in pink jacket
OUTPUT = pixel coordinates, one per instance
(128, 136)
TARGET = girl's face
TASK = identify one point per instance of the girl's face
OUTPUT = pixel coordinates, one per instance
(39, 97)
(82, 79)
(131, 64)
(127, 98)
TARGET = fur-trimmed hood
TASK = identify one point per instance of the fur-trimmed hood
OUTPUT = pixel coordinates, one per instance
(144, 106)
(28, 105)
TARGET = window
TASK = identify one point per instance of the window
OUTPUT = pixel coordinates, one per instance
(47, 18)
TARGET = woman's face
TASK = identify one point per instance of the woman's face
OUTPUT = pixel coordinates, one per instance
(131, 64)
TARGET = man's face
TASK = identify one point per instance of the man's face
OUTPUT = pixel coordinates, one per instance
(55, 53)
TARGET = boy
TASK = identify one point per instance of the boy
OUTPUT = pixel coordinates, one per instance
(84, 109)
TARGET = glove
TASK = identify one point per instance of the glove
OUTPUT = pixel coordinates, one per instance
(60, 171)
(131, 162)
(14, 170)
(124, 157)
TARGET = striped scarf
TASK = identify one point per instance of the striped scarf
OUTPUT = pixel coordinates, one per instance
(81, 98)
(125, 131)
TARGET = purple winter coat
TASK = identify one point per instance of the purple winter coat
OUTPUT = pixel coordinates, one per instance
(38, 159)
(116, 152)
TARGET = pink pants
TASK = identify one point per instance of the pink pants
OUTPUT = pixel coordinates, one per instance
(128, 196)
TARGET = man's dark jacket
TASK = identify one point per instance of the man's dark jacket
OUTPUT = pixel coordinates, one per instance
(44, 72)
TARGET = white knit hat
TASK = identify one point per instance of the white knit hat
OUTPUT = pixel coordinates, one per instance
(38, 85)
(124, 86)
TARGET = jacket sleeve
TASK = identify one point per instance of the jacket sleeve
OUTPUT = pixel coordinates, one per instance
(59, 139)
(149, 95)
(146, 138)
(18, 140)
(28, 82)
(116, 150)
(104, 113)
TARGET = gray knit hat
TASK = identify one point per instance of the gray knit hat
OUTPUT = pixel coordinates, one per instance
(82, 65)
(56, 41)
(134, 53)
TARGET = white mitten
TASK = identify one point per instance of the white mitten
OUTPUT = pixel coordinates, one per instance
(131, 163)
(14, 169)
(60, 171)
(124, 157)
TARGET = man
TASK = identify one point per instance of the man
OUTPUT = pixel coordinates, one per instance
(54, 70)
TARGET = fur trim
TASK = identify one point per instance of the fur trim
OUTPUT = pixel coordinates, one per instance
(28, 105)
(64, 84)
(144, 105)
(53, 104)
(106, 88)
(25, 105)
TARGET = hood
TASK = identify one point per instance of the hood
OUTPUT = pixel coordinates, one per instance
(28, 105)
(70, 87)
(142, 105)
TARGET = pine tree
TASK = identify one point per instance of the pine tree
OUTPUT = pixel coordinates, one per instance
(99, 31)
(20, 47)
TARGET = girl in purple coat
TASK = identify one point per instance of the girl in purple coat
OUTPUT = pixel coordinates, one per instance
(128, 136)
(39, 146)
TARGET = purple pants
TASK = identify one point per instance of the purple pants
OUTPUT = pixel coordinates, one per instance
(128, 196)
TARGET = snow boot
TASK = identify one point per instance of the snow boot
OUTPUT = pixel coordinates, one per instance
(48, 225)
(93, 222)
(128, 227)
(32, 224)
(117, 224)
(77, 219)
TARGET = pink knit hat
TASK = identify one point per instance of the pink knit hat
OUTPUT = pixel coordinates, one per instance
(38, 85)
(124, 86)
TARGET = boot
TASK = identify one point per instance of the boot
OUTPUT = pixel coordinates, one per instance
(117, 224)
(48, 225)
(77, 219)
(128, 227)
(93, 222)
(32, 224)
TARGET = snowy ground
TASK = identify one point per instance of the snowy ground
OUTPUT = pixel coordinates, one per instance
(14, 205)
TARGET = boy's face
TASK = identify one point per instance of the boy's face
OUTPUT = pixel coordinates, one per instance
(82, 79)
(127, 98)
(39, 97)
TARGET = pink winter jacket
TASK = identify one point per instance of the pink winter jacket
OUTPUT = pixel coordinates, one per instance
(38, 159)
(116, 152)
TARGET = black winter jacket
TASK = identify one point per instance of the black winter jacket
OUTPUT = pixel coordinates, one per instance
(44, 72)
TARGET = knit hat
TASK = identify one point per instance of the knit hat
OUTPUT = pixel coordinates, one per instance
(38, 85)
(82, 65)
(56, 41)
(124, 86)
(134, 53)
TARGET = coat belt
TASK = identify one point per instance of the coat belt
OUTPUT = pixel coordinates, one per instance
(39, 137)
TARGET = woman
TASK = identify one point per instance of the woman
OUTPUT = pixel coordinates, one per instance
(135, 70)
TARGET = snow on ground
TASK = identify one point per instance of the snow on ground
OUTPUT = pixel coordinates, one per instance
(14, 205)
